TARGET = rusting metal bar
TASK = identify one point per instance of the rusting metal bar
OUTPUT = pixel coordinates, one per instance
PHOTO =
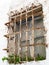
(33, 30)
(24, 18)
(33, 9)
(15, 42)
(28, 11)
(20, 38)
(26, 36)
(34, 44)
(30, 45)
(42, 28)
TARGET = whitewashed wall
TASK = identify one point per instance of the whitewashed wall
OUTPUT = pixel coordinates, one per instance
(4, 8)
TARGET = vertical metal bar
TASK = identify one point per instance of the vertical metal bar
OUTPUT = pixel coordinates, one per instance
(20, 37)
(26, 36)
(8, 33)
(14, 50)
(14, 41)
(33, 31)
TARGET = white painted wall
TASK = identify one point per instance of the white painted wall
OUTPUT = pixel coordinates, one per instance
(4, 8)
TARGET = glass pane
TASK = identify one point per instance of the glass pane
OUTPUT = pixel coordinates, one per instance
(17, 26)
(23, 37)
(31, 42)
(40, 39)
(23, 25)
(29, 23)
(23, 43)
(17, 44)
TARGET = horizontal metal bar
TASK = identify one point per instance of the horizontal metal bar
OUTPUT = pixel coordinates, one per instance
(15, 33)
(35, 44)
(25, 13)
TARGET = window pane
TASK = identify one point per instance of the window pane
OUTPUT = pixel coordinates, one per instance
(17, 26)
(29, 23)
(23, 25)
